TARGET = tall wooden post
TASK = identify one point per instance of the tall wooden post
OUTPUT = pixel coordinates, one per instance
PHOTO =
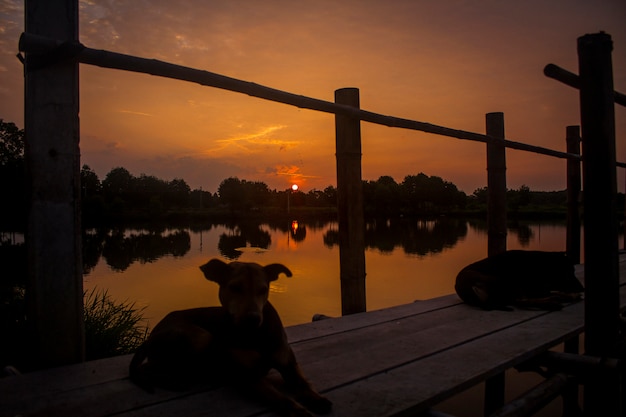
(572, 244)
(350, 206)
(572, 239)
(496, 230)
(496, 185)
(54, 288)
(597, 115)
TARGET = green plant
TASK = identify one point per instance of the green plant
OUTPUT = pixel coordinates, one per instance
(111, 328)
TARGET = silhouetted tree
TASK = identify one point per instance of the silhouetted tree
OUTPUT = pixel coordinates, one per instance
(117, 186)
(231, 193)
(93, 201)
(422, 192)
(11, 143)
(382, 196)
(12, 174)
(330, 193)
(518, 198)
(178, 193)
(257, 192)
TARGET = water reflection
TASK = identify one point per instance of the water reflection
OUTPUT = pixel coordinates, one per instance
(415, 237)
(120, 248)
(521, 230)
(242, 235)
(297, 231)
(406, 259)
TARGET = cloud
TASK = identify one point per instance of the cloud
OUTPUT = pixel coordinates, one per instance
(137, 113)
(253, 142)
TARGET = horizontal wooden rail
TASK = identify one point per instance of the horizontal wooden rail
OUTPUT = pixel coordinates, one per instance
(571, 79)
(51, 50)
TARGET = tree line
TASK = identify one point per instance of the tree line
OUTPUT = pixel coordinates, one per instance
(121, 193)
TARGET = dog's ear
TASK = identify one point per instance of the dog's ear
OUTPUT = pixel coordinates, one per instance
(273, 270)
(216, 271)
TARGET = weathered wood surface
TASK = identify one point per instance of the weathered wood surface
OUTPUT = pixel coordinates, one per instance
(382, 363)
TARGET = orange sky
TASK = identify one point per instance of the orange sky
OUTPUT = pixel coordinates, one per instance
(445, 62)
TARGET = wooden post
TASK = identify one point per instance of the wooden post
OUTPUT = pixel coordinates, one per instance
(350, 206)
(570, 393)
(573, 195)
(496, 226)
(496, 186)
(597, 114)
(54, 289)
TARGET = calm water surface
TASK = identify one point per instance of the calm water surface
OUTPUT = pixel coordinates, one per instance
(406, 260)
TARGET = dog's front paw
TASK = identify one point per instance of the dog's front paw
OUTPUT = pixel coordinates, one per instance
(317, 403)
(299, 412)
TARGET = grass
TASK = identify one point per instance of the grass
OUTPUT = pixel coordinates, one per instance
(111, 328)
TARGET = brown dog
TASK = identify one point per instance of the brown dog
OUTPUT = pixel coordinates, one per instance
(529, 279)
(241, 340)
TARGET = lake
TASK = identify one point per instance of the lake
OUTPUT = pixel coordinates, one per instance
(406, 260)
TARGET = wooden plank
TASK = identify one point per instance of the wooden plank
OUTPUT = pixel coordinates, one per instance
(329, 361)
(426, 382)
(57, 380)
(224, 401)
(92, 401)
(103, 370)
(303, 332)
(382, 349)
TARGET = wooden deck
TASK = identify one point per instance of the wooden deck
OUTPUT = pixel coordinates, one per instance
(382, 363)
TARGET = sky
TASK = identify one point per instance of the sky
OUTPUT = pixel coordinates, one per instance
(447, 62)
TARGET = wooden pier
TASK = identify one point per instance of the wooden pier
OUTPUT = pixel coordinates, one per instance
(396, 361)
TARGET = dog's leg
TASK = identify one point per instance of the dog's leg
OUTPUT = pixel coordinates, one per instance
(176, 357)
(278, 401)
(296, 382)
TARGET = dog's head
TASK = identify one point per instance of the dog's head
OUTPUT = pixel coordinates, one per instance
(244, 287)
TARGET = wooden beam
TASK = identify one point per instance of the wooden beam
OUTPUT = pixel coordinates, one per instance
(54, 287)
(350, 206)
(536, 398)
(572, 80)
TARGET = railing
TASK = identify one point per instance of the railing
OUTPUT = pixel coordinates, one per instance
(49, 60)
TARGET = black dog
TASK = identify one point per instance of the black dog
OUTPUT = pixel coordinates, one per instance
(239, 341)
(527, 279)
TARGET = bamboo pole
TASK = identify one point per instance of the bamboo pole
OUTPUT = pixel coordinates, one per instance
(602, 321)
(350, 206)
(54, 289)
(106, 59)
(572, 239)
